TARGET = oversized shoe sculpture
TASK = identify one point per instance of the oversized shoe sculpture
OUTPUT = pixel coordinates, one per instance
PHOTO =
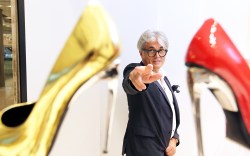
(90, 49)
(215, 62)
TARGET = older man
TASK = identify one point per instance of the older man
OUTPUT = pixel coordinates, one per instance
(153, 109)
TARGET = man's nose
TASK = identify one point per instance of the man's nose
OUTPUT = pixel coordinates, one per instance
(157, 54)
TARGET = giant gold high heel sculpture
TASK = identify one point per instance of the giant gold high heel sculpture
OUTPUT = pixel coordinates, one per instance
(92, 46)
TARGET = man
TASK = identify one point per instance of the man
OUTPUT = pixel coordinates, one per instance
(153, 109)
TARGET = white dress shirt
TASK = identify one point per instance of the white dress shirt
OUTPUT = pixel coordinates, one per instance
(170, 98)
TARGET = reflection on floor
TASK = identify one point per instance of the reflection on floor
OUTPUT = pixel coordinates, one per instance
(6, 94)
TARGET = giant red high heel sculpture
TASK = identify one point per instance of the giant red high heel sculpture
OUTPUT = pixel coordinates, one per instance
(214, 61)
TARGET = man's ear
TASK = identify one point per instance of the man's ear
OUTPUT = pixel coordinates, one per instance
(140, 52)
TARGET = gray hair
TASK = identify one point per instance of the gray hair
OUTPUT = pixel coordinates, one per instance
(152, 35)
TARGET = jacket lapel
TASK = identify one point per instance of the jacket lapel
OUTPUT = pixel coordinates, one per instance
(162, 91)
(174, 100)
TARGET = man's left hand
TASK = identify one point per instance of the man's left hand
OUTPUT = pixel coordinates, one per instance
(171, 149)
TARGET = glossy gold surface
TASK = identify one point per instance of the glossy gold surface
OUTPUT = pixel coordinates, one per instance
(92, 46)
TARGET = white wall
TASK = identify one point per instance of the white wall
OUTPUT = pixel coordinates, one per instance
(49, 23)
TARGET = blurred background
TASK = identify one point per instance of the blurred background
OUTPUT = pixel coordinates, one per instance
(48, 25)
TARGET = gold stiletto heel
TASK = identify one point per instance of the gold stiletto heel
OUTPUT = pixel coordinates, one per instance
(90, 49)
(112, 77)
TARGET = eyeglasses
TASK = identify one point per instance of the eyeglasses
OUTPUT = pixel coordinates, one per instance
(152, 52)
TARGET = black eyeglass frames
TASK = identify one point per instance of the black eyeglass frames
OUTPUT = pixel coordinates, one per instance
(152, 52)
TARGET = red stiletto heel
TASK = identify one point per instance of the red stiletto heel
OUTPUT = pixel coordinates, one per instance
(215, 62)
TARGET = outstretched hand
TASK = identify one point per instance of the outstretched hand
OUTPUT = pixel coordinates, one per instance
(142, 75)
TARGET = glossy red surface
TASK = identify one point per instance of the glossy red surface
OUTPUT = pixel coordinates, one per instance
(212, 49)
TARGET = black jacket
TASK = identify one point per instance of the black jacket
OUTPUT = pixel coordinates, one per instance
(150, 118)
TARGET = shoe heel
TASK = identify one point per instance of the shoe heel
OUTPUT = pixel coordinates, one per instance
(112, 78)
(195, 93)
(198, 78)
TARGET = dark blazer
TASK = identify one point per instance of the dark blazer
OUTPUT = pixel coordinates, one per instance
(150, 118)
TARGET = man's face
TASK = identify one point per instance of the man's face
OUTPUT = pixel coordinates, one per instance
(156, 60)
